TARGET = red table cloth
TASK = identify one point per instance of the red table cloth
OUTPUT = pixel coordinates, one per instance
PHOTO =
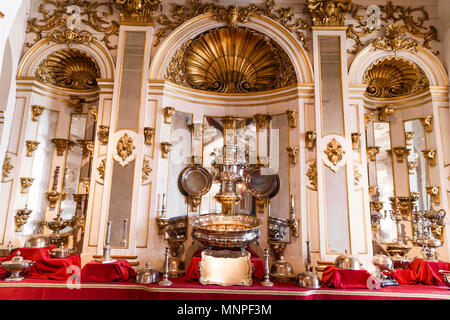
(193, 273)
(428, 271)
(95, 271)
(403, 276)
(347, 279)
(45, 266)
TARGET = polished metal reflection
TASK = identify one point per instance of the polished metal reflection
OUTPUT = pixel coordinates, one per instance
(308, 279)
(15, 266)
(147, 275)
(348, 262)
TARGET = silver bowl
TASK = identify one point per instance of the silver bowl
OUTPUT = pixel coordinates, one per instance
(347, 262)
(147, 275)
(15, 266)
(225, 231)
(383, 262)
(37, 242)
(60, 253)
(308, 280)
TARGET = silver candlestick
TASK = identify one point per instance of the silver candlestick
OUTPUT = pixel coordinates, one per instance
(124, 241)
(165, 279)
(107, 247)
(266, 282)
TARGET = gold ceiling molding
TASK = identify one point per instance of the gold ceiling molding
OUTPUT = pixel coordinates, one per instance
(53, 24)
(137, 11)
(328, 13)
(231, 60)
(413, 20)
(231, 15)
(69, 68)
(393, 77)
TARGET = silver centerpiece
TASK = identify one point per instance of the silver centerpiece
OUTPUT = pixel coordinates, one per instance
(225, 231)
(308, 279)
(147, 275)
(384, 263)
(106, 258)
(348, 262)
(176, 230)
(15, 266)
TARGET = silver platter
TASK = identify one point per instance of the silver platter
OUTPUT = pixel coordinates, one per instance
(225, 231)
(262, 182)
(194, 181)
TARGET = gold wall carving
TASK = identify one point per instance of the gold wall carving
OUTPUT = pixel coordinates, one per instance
(334, 152)
(103, 133)
(87, 147)
(21, 218)
(149, 133)
(430, 155)
(356, 176)
(36, 112)
(311, 173)
(125, 147)
(400, 153)
(101, 169)
(328, 13)
(413, 20)
(367, 118)
(385, 112)
(292, 117)
(146, 170)
(94, 111)
(231, 15)
(166, 147)
(69, 68)
(392, 77)
(236, 60)
(62, 145)
(137, 11)
(395, 39)
(25, 184)
(262, 120)
(169, 112)
(427, 123)
(53, 24)
(31, 146)
(372, 153)
(435, 194)
(293, 154)
(53, 198)
(356, 140)
(310, 139)
(7, 167)
(76, 103)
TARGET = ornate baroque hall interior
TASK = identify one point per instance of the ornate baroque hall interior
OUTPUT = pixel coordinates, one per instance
(199, 149)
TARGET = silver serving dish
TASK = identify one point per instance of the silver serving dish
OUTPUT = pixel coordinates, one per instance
(147, 275)
(308, 280)
(60, 253)
(37, 242)
(4, 252)
(262, 182)
(177, 227)
(225, 231)
(445, 277)
(347, 262)
(194, 181)
(277, 228)
(15, 266)
(383, 262)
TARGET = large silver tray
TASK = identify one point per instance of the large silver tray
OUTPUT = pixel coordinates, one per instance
(262, 182)
(194, 181)
(225, 231)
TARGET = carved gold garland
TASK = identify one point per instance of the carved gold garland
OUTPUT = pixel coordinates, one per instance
(7, 167)
(231, 15)
(311, 173)
(54, 22)
(231, 60)
(412, 19)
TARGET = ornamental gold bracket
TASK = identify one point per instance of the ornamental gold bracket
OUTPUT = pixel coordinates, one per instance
(427, 123)
(262, 120)
(62, 145)
(409, 137)
(53, 198)
(166, 148)
(435, 194)
(162, 222)
(7, 167)
(310, 139)
(137, 12)
(79, 198)
(356, 140)
(367, 118)
(149, 133)
(328, 13)
(385, 112)
(229, 122)
(412, 165)
(103, 134)
(36, 112)
(31, 146)
(168, 113)
(194, 202)
(293, 154)
(21, 218)
(25, 184)
(261, 204)
(372, 152)
(430, 155)
(93, 110)
(373, 191)
(400, 153)
(87, 147)
(292, 118)
(76, 103)
(376, 206)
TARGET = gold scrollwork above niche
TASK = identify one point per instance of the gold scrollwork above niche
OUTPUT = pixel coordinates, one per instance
(69, 68)
(392, 77)
(328, 13)
(232, 15)
(409, 21)
(125, 150)
(231, 60)
(54, 22)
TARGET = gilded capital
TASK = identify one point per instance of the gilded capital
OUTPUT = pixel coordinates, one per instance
(292, 117)
(36, 111)
(356, 140)
(310, 139)
(62, 145)
(400, 153)
(25, 184)
(166, 147)
(372, 152)
(430, 155)
(137, 11)
(328, 13)
(292, 153)
(149, 133)
(31, 146)
(103, 133)
(427, 123)
(168, 114)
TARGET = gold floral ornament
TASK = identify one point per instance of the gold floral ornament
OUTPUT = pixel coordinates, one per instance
(125, 147)
(101, 169)
(146, 170)
(55, 27)
(412, 19)
(6, 168)
(137, 11)
(328, 13)
(334, 152)
(311, 173)
(69, 68)
(392, 77)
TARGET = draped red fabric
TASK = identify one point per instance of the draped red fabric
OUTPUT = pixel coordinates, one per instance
(346, 279)
(428, 271)
(193, 273)
(404, 276)
(45, 266)
(95, 271)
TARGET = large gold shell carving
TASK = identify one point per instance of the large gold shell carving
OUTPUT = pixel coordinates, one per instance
(394, 77)
(69, 68)
(232, 60)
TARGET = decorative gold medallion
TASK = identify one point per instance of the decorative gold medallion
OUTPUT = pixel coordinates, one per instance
(395, 39)
(334, 152)
(125, 147)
